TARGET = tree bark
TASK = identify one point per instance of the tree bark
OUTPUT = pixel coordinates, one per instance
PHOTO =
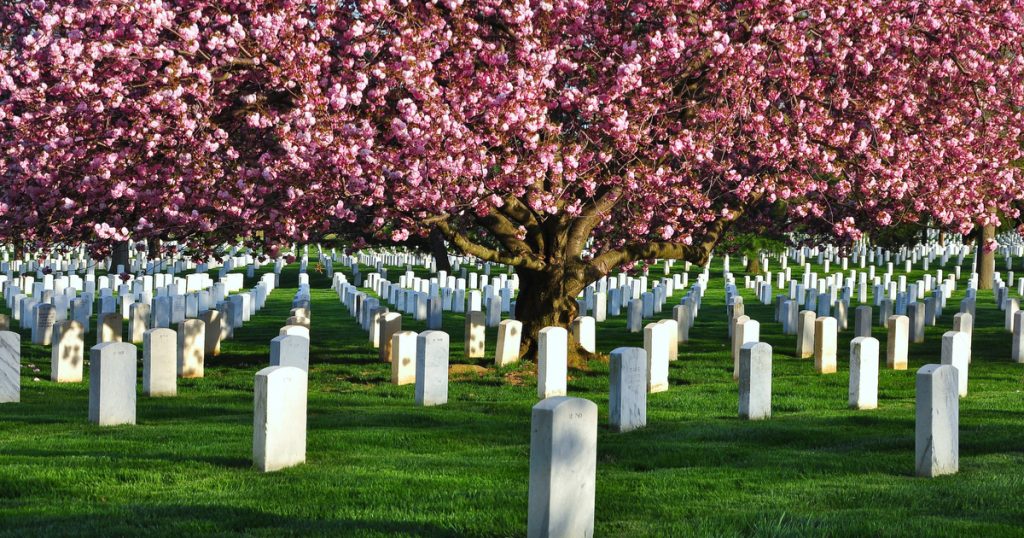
(548, 299)
(753, 265)
(986, 260)
(550, 261)
(152, 248)
(119, 256)
(439, 250)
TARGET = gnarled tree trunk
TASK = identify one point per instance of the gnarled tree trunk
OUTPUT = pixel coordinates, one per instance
(548, 299)
(549, 253)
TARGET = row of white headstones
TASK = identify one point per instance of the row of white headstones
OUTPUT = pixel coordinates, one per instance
(632, 371)
(280, 395)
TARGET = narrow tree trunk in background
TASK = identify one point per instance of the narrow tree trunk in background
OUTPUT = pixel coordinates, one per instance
(986, 260)
(753, 265)
(439, 251)
(547, 299)
(119, 256)
(152, 248)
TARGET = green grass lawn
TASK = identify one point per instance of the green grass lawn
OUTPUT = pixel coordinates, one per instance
(379, 466)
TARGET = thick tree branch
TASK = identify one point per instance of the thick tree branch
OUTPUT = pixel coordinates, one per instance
(461, 242)
(698, 253)
(507, 233)
(518, 212)
(592, 215)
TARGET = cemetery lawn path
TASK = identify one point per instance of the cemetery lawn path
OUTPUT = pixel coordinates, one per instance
(380, 466)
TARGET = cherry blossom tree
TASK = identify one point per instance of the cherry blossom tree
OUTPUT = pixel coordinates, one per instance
(568, 139)
(185, 121)
(582, 137)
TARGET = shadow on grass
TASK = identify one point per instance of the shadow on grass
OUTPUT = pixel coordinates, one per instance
(210, 519)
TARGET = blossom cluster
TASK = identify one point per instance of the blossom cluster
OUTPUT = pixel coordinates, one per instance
(206, 120)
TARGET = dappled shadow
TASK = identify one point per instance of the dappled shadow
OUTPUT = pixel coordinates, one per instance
(188, 519)
(133, 458)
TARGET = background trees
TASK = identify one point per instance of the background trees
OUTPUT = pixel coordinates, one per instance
(193, 121)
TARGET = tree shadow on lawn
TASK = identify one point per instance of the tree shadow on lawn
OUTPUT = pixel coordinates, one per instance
(132, 459)
(800, 443)
(192, 519)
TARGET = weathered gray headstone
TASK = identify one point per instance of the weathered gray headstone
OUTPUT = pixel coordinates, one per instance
(191, 347)
(1012, 307)
(10, 367)
(159, 362)
(841, 316)
(627, 402)
(937, 439)
(162, 312)
(303, 321)
(552, 362)
(113, 369)
(403, 357)
(635, 316)
(584, 333)
(138, 321)
(684, 318)
(964, 322)
(915, 315)
(236, 309)
(215, 328)
(1017, 344)
(475, 335)
(388, 324)
(67, 356)
(290, 350)
(955, 350)
(42, 329)
(862, 321)
(109, 327)
(897, 346)
(755, 381)
(789, 317)
(672, 331)
(374, 326)
(435, 318)
(863, 372)
(493, 315)
(656, 344)
(279, 421)
(885, 311)
(805, 334)
(294, 330)
(825, 342)
(746, 331)
(737, 312)
(432, 368)
(563, 468)
(510, 334)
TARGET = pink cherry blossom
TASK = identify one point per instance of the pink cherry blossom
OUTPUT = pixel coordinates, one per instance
(568, 138)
